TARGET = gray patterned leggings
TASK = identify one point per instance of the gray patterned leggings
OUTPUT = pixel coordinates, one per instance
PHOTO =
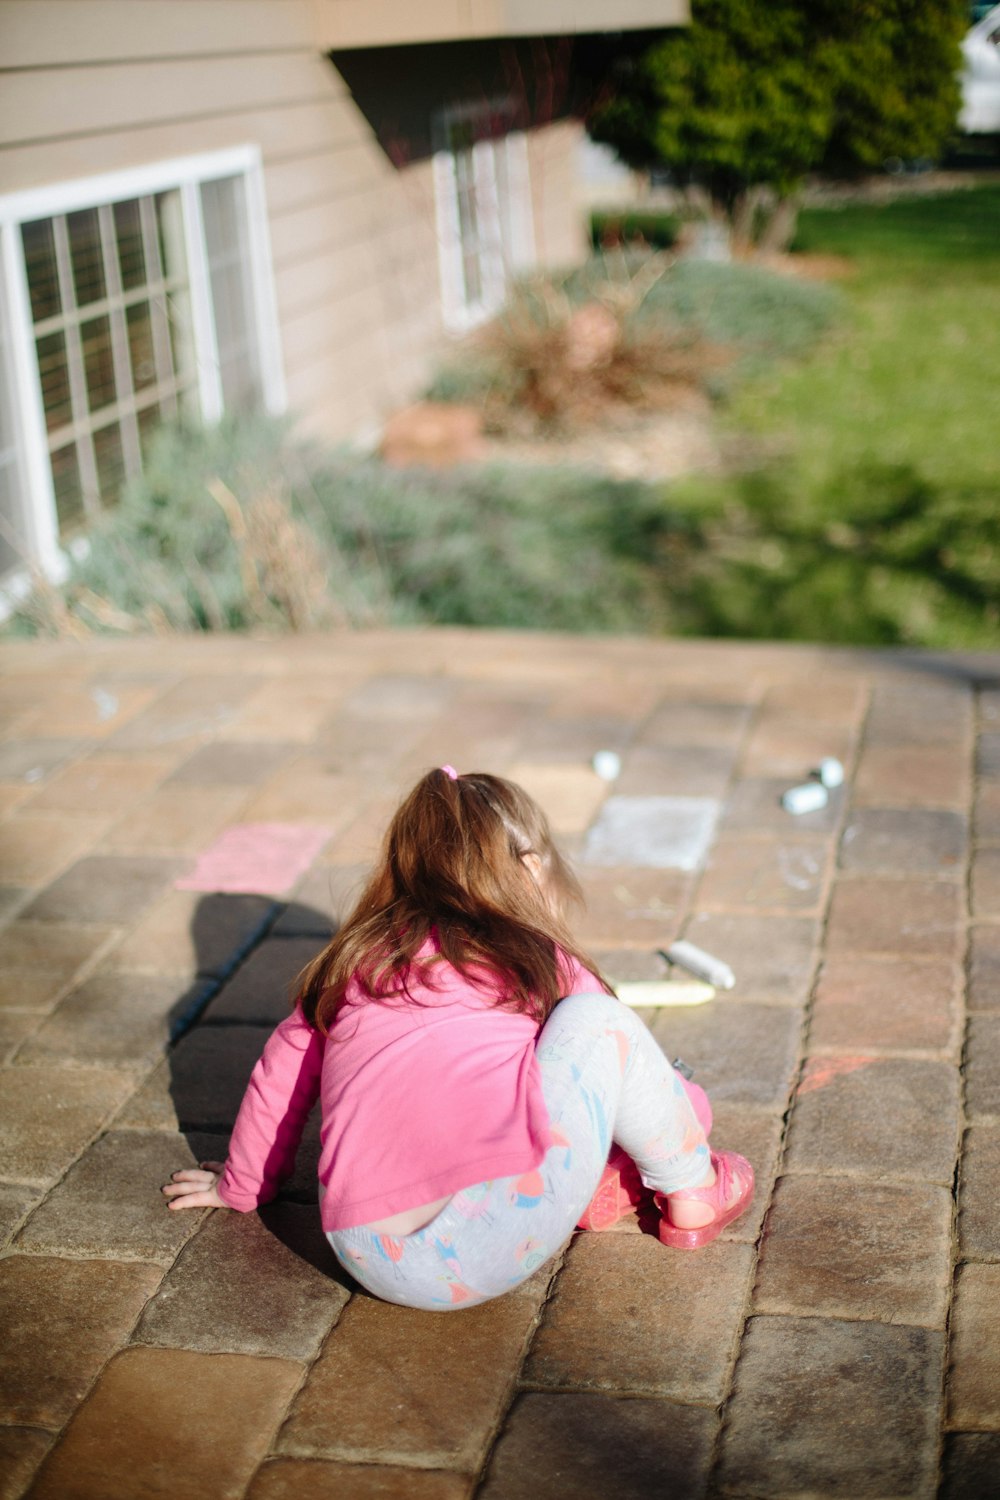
(604, 1079)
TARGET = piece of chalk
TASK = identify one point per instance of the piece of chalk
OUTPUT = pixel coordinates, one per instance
(607, 764)
(831, 772)
(640, 993)
(807, 798)
(701, 964)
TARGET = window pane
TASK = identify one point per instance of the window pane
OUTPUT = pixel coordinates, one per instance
(170, 235)
(110, 462)
(53, 372)
(149, 422)
(179, 322)
(226, 234)
(131, 256)
(40, 263)
(224, 210)
(472, 275)
(85, 255)
(140, 344)
(98, 362)
(14, 548)
(66, 482)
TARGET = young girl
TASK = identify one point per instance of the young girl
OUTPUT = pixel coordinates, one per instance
(474, 1070)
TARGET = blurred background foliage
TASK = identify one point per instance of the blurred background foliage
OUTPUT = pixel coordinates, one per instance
(862, 504)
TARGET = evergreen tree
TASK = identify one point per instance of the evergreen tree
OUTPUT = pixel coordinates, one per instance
(755, 95)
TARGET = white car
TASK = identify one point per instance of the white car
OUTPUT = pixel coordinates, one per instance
(980, 112)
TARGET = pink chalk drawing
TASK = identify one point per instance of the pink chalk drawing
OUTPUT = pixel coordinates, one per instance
(821, 1071)
(261, 858)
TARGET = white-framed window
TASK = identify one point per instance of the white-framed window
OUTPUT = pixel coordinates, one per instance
(485, 226)
(125, 300)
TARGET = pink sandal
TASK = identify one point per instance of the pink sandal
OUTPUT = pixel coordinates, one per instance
(619, 1192)
(732, 1174)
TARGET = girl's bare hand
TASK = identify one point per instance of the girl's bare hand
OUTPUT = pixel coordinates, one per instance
(195, 1187)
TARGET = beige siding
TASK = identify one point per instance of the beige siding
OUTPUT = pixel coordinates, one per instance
(41, 103)
(51, 33)
(560, 223)
(102, 85)
(377, 23)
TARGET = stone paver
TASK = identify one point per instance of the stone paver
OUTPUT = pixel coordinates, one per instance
(741, 1052)
(910, 841)
(108, 888)
(112, 1020)
(983, 1066)
(838, 1248)
(165, 1422)
(21, 1451)
(772, 958)
(754, 806)
(109, 1202)
(971, 1465)
(887, 1004)
(974, 1395)
(48, 1118)
(627, 1317)
(912, 918)
(884, 1118)
(260, 992)
(986, 811)
(978, 1222)
(62, 1319)
(237, 1289)
(913, 776)
(176, 820)
(567, 1446)
(680, 770)
(312, 1479)
(626, 906)
(803, 1353)
(661, 833)
(793, 1430)
(764, 875)
(986, 883)
(445, 1379)
(99, 784)
(200, 1084)
(15, 1203)
(191, 932)
(984, 968)
(38, 848)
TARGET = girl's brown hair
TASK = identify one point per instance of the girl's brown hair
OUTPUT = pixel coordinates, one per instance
(469, 860)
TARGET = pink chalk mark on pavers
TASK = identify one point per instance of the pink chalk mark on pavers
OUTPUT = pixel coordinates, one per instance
(821, 1071)
(256, 858)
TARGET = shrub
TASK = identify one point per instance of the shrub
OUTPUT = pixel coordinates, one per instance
(629, 328)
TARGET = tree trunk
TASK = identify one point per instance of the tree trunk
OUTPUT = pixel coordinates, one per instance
(779, 230)
(743, 216)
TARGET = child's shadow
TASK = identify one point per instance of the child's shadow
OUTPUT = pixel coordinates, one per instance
(249, 950)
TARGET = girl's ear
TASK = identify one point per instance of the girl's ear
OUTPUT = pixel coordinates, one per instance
(534, 864)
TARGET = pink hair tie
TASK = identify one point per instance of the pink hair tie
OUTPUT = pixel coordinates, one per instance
(450, 772)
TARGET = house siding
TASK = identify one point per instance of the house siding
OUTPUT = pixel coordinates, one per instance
(90, 87)
(336, 206)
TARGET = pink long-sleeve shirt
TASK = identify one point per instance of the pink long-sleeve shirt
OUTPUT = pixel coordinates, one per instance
(421, 1095)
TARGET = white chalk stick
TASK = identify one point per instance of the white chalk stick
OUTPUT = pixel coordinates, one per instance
(831, 772)
(809, 797)
(640, 993)
(703, 965)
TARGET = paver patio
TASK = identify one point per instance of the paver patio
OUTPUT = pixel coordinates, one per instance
(840, 1340)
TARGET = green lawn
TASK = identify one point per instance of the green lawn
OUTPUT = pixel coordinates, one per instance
(868, 505)
(914, 377)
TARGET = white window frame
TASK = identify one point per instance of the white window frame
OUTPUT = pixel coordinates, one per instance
(507, 221)
(183, 174)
